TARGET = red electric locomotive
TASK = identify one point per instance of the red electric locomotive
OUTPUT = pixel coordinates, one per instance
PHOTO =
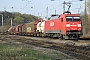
(62, 26)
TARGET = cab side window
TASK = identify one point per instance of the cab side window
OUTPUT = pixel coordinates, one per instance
(61, 19)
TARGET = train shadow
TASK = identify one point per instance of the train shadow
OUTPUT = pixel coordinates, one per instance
(75, 39)
(87, 37)
(80, 39)
(84, 39)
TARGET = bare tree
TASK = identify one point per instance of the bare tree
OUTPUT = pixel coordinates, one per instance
(86, 26)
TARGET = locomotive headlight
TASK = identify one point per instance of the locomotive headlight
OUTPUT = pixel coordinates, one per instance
(67, 25)
(68, 29)
(79, 25)
(79, 29)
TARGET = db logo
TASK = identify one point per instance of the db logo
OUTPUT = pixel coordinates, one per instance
(51, 23)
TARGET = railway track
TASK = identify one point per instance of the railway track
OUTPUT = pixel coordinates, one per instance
(79, 52)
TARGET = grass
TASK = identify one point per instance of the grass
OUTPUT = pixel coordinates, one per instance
(12, 52)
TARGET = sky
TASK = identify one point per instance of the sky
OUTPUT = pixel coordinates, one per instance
(38, 7)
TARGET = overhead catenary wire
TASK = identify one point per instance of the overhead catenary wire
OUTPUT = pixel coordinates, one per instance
(25, 5)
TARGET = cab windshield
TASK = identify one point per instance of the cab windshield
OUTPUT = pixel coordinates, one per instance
(54, 17)
(72, 18)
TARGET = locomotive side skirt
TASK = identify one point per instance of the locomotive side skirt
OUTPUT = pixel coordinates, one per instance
(54, 31)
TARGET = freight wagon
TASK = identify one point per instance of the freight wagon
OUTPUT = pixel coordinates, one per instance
(26, 29)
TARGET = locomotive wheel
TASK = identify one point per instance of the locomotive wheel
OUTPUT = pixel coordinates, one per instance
(61, 37)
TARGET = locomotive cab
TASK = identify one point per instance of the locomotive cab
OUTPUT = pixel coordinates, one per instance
(73, 25)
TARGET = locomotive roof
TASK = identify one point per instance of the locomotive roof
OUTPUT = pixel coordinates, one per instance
(54, 16)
